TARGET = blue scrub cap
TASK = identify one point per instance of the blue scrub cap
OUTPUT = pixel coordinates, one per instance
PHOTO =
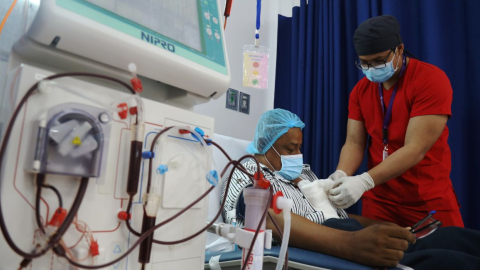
(271, 126)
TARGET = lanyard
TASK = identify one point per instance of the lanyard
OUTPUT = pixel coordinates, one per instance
(259, 10)
(257, 26)
(387, 116)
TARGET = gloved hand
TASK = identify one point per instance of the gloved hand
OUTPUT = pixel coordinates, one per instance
(348, 190)
(337, 175)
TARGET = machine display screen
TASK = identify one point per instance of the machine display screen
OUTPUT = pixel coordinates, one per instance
(177, 19)
(188, 28)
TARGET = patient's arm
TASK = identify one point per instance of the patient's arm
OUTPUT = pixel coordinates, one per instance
(376, 245)
(369, 222)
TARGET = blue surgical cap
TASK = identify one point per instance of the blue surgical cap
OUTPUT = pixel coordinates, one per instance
(271, 126)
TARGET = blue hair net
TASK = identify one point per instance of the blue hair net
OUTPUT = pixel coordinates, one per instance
(271, 126)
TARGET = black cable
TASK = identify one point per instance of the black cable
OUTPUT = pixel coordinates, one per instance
(244, 170)
(130, 200)
(172, 218)
(149, 182)
(241, 168)
(24, 264)
(144, 236)
(129, 209)
(266, 210)
(130, 203)
(59, 196)
(3, 149)
(57, 236)
(38, 196)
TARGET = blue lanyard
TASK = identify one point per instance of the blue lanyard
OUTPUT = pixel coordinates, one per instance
(259, 10)
(387, 116)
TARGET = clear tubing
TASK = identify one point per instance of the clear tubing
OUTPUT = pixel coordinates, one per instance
(159, 178)
(286, 205)
(140, 105)
(138, 129)
(140, 109)
(151, 202)
(175, 131)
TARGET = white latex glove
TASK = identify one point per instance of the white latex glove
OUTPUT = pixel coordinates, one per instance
(348, 190)
(325, 184)
(337, 175)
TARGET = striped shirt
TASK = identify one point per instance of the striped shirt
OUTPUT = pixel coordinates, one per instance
(301, 206)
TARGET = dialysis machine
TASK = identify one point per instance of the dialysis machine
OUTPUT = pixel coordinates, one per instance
(85, 132)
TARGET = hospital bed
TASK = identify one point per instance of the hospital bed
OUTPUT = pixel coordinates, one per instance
(297, 258)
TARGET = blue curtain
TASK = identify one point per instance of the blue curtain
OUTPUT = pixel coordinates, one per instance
(316, 72)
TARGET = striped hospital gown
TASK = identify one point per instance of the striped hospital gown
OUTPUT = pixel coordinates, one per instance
(301, 206)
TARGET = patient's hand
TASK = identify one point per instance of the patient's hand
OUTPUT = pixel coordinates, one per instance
(378, 245)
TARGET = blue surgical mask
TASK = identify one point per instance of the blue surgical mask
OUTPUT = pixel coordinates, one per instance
(381, 75)
(292, 166)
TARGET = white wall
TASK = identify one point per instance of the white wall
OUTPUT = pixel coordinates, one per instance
(241, 31)
(285, 7)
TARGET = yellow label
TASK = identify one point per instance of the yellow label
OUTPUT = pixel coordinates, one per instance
(77, 141)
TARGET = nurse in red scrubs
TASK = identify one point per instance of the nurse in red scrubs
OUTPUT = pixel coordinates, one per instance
(402, 105)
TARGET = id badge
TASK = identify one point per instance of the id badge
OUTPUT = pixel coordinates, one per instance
(385, 152)
(255, 66)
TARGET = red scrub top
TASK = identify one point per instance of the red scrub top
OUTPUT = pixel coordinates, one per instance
(423, 90)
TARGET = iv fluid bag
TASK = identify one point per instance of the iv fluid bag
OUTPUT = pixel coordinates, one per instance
(255, 66)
